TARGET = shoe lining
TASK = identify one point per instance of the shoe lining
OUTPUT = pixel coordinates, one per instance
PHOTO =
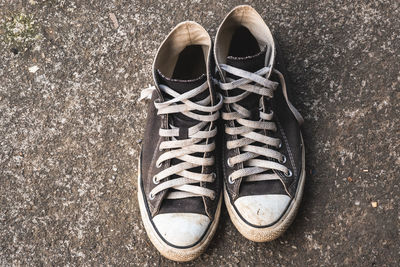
(190, 64)
(247, 17)
(243, 43)
(184, 35)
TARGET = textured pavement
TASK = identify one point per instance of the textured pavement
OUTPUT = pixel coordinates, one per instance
(70, 128)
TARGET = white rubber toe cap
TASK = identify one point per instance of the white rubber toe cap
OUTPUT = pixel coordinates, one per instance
(181, 229)
(262, 210)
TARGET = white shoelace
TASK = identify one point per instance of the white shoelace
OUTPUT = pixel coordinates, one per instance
(249, 131)
(198, 141)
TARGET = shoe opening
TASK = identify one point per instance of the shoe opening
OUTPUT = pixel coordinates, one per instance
(184, 53)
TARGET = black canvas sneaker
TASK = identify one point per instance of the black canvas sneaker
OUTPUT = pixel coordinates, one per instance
(263, 157)
(178, 182)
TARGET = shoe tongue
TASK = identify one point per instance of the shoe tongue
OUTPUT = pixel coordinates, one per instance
(182, 86)
(252, 64)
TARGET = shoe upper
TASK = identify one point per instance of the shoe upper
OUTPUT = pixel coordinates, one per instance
(180, 181)
(262, 140)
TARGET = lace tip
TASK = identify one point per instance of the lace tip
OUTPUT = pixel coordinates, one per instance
(146, 93)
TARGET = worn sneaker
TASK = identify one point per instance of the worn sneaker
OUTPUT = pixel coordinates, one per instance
(179, 185)
(263, 157)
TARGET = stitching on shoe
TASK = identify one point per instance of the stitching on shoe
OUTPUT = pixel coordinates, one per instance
(188, 30)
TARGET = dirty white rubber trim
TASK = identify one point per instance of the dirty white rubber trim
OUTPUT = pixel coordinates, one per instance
(272, 232)
(170, 252)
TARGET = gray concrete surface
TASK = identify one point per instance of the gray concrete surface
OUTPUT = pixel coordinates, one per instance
(70, 127)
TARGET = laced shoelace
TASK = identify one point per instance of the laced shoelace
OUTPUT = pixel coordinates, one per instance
(260, 162)
(198, 140)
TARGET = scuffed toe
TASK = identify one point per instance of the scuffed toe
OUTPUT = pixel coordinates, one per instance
(262, 210)
(181, 229)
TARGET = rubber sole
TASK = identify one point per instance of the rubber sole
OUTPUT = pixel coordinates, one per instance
(274, 231)
(170, 252)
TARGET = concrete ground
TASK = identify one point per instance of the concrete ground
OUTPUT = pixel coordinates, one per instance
(70, 128)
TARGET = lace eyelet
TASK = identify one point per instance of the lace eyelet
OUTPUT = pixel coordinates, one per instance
(214, 176)
(230, 180)
(283, 160)
(151, 196)
(228, 161)
(280, 144)
(155, 181)
(289, 173)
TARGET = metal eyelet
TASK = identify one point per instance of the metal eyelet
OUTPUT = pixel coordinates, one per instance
(280, 144)
(230, 180)
(289, 173)
(151, 196)
(155, 181)
(283, 160)
(228, 161)
(214, 176)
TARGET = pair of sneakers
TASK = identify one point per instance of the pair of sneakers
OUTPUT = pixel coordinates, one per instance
(219, 125)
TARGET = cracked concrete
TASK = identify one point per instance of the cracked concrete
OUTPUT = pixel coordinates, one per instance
(70, 128)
